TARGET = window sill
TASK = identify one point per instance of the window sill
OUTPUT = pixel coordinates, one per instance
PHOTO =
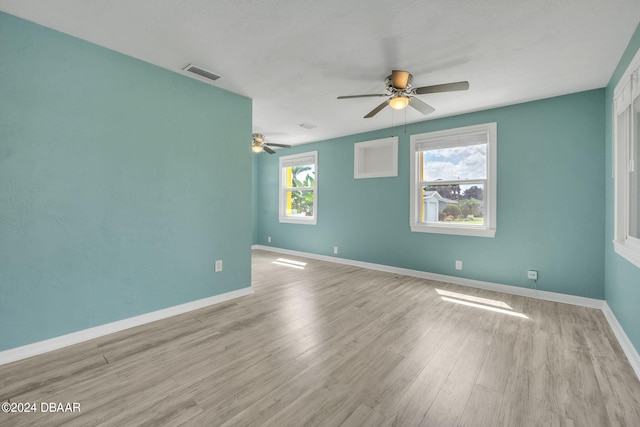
(311, 221)
(456, 231)
(627, 251)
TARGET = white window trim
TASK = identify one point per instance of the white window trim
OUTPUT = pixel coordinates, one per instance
(490, 190)
(627, 89)
(285, 161)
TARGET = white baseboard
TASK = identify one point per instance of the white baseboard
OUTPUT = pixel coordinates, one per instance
(23, 352)
(507, 289)
(623, 339)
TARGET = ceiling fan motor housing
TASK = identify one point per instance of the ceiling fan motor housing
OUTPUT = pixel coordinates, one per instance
(397, 80)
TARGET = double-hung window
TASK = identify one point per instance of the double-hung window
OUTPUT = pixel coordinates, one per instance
(453, 181)
(626, 143)
(298, 188)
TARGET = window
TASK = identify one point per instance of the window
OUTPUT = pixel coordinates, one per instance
(626, 123)
(453, 184)
(298, 188)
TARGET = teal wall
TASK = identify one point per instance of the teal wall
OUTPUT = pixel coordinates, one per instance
(254, 199)
(622, 279)
(550, 201)
(120, 184)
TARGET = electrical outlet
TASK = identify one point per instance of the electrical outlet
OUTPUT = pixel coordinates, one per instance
(532, 274)
(335, 250)
(268, 239)
(458, 265)
(218, 267)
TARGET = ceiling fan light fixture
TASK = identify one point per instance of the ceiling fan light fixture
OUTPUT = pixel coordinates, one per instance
(256, 148)
(399, 102)
(400, 90)
(258, 137)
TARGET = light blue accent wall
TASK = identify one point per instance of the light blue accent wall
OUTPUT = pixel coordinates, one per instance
(622, 279)
(120, 184)
(254, 199)
(550, 201)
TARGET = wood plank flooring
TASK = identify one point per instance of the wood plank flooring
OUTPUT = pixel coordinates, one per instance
(336, 345)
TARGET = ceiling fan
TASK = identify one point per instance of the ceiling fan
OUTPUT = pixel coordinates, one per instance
(258, 144)
(401, 93)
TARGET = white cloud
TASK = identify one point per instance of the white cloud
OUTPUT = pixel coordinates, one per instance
(456, 163)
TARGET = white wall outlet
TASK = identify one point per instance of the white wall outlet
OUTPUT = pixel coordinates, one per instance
(268, 239)
(532, 274)
(335, 250)
(218, 267)
(458, 265)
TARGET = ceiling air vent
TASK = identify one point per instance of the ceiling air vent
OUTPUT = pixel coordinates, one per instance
(307, 126)
(201, 73)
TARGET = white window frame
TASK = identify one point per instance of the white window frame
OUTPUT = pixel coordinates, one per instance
(293, 160)
(624, 139)
(488, 229)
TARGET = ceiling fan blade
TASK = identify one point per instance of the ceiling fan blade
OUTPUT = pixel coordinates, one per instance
(399, 79)
(376, 110)
(268, 150)
(446, 87)
(421, 106)
(362, 96)
(277, 145)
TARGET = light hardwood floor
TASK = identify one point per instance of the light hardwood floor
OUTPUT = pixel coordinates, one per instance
(337, 345)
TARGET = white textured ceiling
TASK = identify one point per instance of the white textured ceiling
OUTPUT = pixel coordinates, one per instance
(293, 58)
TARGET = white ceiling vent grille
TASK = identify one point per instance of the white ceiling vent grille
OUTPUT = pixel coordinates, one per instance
(201, 73)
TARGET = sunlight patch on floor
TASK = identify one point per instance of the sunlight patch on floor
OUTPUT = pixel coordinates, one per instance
(485, 307)
(290, 263)
(471, 298)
